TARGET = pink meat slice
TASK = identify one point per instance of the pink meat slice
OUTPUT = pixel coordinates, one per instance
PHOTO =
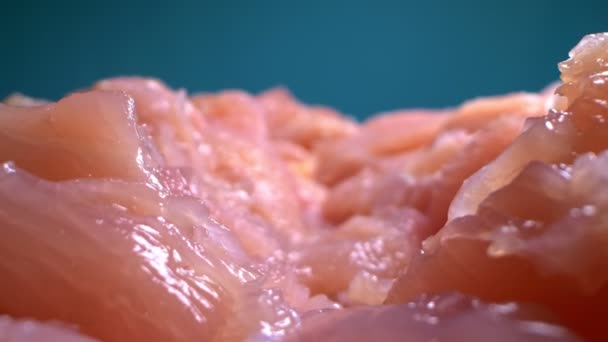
(427, 178)
(42, 139)
(531, 226)
(306, 126)
(235, 111)
(577, 125)
(381, 136)
(231, 165)
(358, 260)
(114, 262)
(124, 245)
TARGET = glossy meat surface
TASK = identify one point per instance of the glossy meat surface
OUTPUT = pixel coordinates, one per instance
(134, 212)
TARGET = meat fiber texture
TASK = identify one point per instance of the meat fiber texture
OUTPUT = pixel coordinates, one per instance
(134, 212)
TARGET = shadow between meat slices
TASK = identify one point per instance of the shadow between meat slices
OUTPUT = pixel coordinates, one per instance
(449, 317)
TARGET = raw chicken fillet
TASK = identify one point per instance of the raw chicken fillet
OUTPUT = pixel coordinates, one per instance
(134, 212)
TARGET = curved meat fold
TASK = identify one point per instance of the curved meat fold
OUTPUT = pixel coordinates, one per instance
(134, 212)
(106, 255)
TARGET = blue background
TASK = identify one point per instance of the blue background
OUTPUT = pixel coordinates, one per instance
(360, 57)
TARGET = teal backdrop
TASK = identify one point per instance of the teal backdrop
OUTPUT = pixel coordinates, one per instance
(360, 57)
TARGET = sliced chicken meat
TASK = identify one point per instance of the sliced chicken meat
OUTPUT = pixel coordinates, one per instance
(134, 212)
